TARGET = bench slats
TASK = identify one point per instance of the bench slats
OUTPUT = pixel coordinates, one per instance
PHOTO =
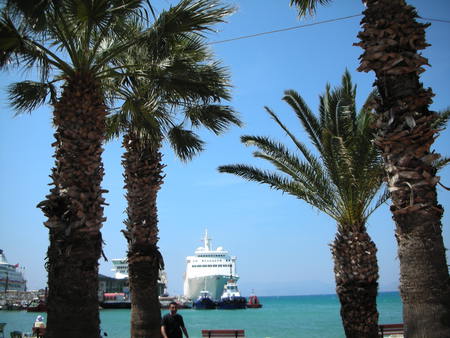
(223, 333)
(388, 329)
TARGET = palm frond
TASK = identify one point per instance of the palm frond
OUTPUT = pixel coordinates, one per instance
(306, 116)
(308, 7)
(277, 154)
(195, 16)
(278, 182)
(26, 96)
(116, 125)
(33, 12)
(18, 46)
(385, 195)
(337, 107)
(441, 163)
(370, 102)
(304, 175)
(309, 174)
(344, 160)
(12, 41)
(185, 143)
(192, 81)
(300, 146)
(442, 119)
(216, 118)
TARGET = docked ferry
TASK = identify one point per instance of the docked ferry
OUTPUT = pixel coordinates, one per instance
(11, 278)
(208, 270)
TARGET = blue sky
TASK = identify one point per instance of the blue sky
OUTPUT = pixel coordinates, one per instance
(282, 244)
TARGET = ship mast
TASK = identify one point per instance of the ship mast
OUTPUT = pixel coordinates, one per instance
(207, 241)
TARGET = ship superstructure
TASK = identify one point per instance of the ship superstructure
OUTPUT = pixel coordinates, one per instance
(208, 270)
(11, 278)
(121, 272)
(120, 268)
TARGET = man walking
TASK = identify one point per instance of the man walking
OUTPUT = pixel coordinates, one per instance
(172, 324)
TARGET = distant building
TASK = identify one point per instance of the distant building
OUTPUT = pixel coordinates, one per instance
(112, 285)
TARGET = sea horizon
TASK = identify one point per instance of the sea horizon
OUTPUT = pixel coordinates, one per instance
(317, 294)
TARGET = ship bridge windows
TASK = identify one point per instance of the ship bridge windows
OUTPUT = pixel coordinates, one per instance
(211, 255)
(211, 265)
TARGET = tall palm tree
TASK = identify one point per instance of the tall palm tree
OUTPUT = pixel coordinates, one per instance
(77, 42)
(391, 38)
(341, 181)
(70, 41)
(182, 85)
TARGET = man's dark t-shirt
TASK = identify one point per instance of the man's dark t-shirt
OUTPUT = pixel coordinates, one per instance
(173, 325)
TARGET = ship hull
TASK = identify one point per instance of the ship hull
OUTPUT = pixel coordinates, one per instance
(214, 284)
(233, 303)
(116, 305)
(204, 304)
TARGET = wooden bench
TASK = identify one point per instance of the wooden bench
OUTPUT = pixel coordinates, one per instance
(390, 329)
(223, 333)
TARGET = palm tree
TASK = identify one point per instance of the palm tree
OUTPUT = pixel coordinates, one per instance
(77, 42)
(182, 84)
(391, 38)
(341, 181)
(69, 41)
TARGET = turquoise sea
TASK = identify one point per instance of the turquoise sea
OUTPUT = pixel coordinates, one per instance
(280, 317)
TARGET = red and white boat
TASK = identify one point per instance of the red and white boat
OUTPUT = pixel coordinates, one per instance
(253, 302)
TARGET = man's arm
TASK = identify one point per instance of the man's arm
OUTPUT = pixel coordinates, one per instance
(163, 331)
(185, 331)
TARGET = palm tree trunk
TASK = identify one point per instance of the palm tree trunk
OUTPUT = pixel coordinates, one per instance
(356, 273)
(391, 38)
(143, 179)
(74, 210)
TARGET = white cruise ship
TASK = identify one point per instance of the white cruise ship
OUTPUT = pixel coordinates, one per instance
(208, 270)
(10, 277)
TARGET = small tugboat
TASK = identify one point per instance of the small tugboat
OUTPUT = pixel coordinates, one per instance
(204, 301)
(231, 298)
(253, 302)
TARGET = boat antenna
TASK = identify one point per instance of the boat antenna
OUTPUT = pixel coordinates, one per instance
(207, 241)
